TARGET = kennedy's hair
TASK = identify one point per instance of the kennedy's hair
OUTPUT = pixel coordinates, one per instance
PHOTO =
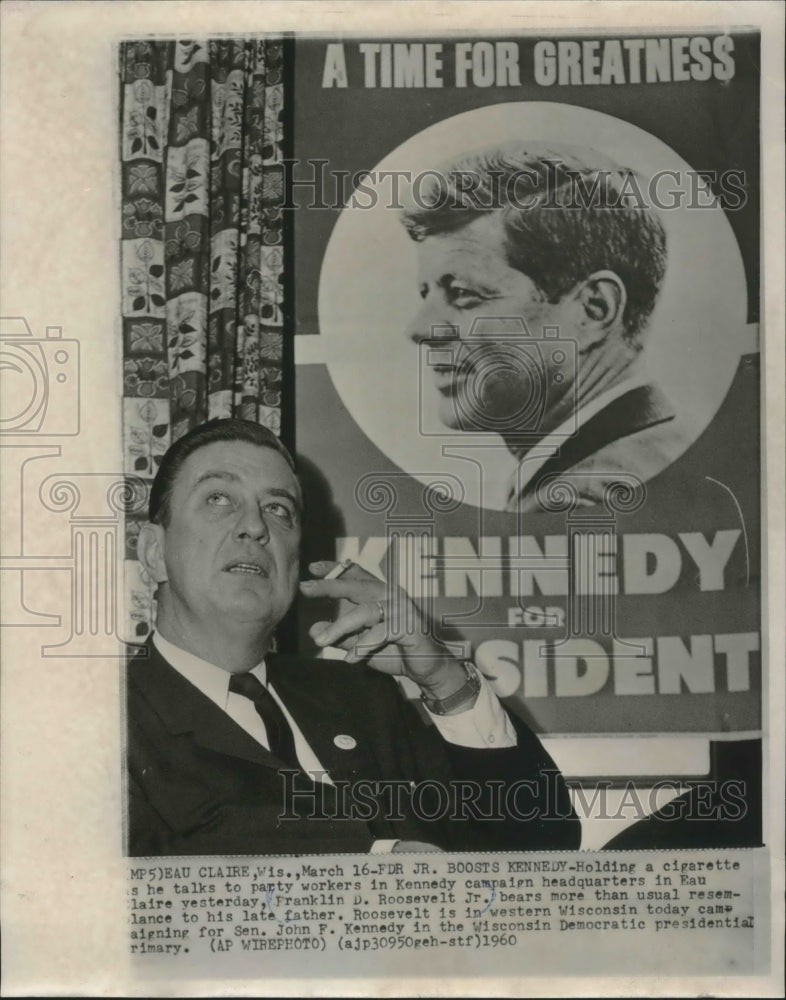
(566, 213)
(227, 429)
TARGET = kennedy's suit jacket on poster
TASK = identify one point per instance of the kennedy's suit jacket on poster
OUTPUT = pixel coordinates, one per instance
(635, 434)
(199, 784)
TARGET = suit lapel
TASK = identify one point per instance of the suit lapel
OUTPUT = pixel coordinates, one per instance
(182, 708)
(639, 408)
(328, 722)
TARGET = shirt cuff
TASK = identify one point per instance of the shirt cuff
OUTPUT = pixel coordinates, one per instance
(485, 726)
(382, 846)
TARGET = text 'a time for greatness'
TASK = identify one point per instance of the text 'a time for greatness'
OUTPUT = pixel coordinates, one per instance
(564, 62)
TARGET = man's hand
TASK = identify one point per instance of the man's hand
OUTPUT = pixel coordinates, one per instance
(379, 623)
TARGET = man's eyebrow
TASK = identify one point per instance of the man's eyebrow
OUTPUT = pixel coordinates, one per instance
(217, 474)
(277, 492)
(450, 278)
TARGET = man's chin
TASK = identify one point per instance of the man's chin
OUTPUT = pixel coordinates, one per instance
(247, 603)
(446, 411)
(254, 604)
(460, 414)
(458, 418)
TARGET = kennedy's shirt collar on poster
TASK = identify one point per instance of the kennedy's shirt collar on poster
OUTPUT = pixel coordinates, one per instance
(211, 680)
(550, 445)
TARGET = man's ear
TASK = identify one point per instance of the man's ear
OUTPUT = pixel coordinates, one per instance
(150, 549)
(603, 298)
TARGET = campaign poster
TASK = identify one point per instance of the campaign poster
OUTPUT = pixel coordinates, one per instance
(527, 366)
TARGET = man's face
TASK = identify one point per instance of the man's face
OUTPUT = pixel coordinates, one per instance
(230, 550)
(473, 305)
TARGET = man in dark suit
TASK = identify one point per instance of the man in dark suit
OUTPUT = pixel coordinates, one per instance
(539, 269)
(234, 750)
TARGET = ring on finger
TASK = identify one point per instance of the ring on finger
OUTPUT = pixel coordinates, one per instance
(380, 611)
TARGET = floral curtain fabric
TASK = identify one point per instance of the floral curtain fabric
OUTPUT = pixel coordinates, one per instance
(201, 130)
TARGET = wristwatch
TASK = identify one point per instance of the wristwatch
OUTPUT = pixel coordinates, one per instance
(467, 692)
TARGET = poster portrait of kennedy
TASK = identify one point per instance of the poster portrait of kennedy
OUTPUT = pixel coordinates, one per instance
(539, 266)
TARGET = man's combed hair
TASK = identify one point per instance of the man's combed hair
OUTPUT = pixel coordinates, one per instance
(225, 429)
(567, 213)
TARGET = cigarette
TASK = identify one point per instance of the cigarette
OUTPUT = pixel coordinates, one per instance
(338, 570)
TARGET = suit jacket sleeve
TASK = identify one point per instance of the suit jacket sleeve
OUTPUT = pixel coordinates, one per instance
(510, 799)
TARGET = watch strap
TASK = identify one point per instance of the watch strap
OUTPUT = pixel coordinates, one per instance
(468, 691)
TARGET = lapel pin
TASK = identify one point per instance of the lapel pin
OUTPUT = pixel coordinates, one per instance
(345, 742)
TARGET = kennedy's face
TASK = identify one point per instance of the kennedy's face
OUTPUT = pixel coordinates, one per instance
(473, 305)
(231, 548)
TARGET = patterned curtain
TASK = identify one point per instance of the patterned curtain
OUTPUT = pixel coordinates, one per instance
(201, 130)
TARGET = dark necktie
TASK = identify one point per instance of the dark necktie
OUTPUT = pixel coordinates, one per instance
(279, 732)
